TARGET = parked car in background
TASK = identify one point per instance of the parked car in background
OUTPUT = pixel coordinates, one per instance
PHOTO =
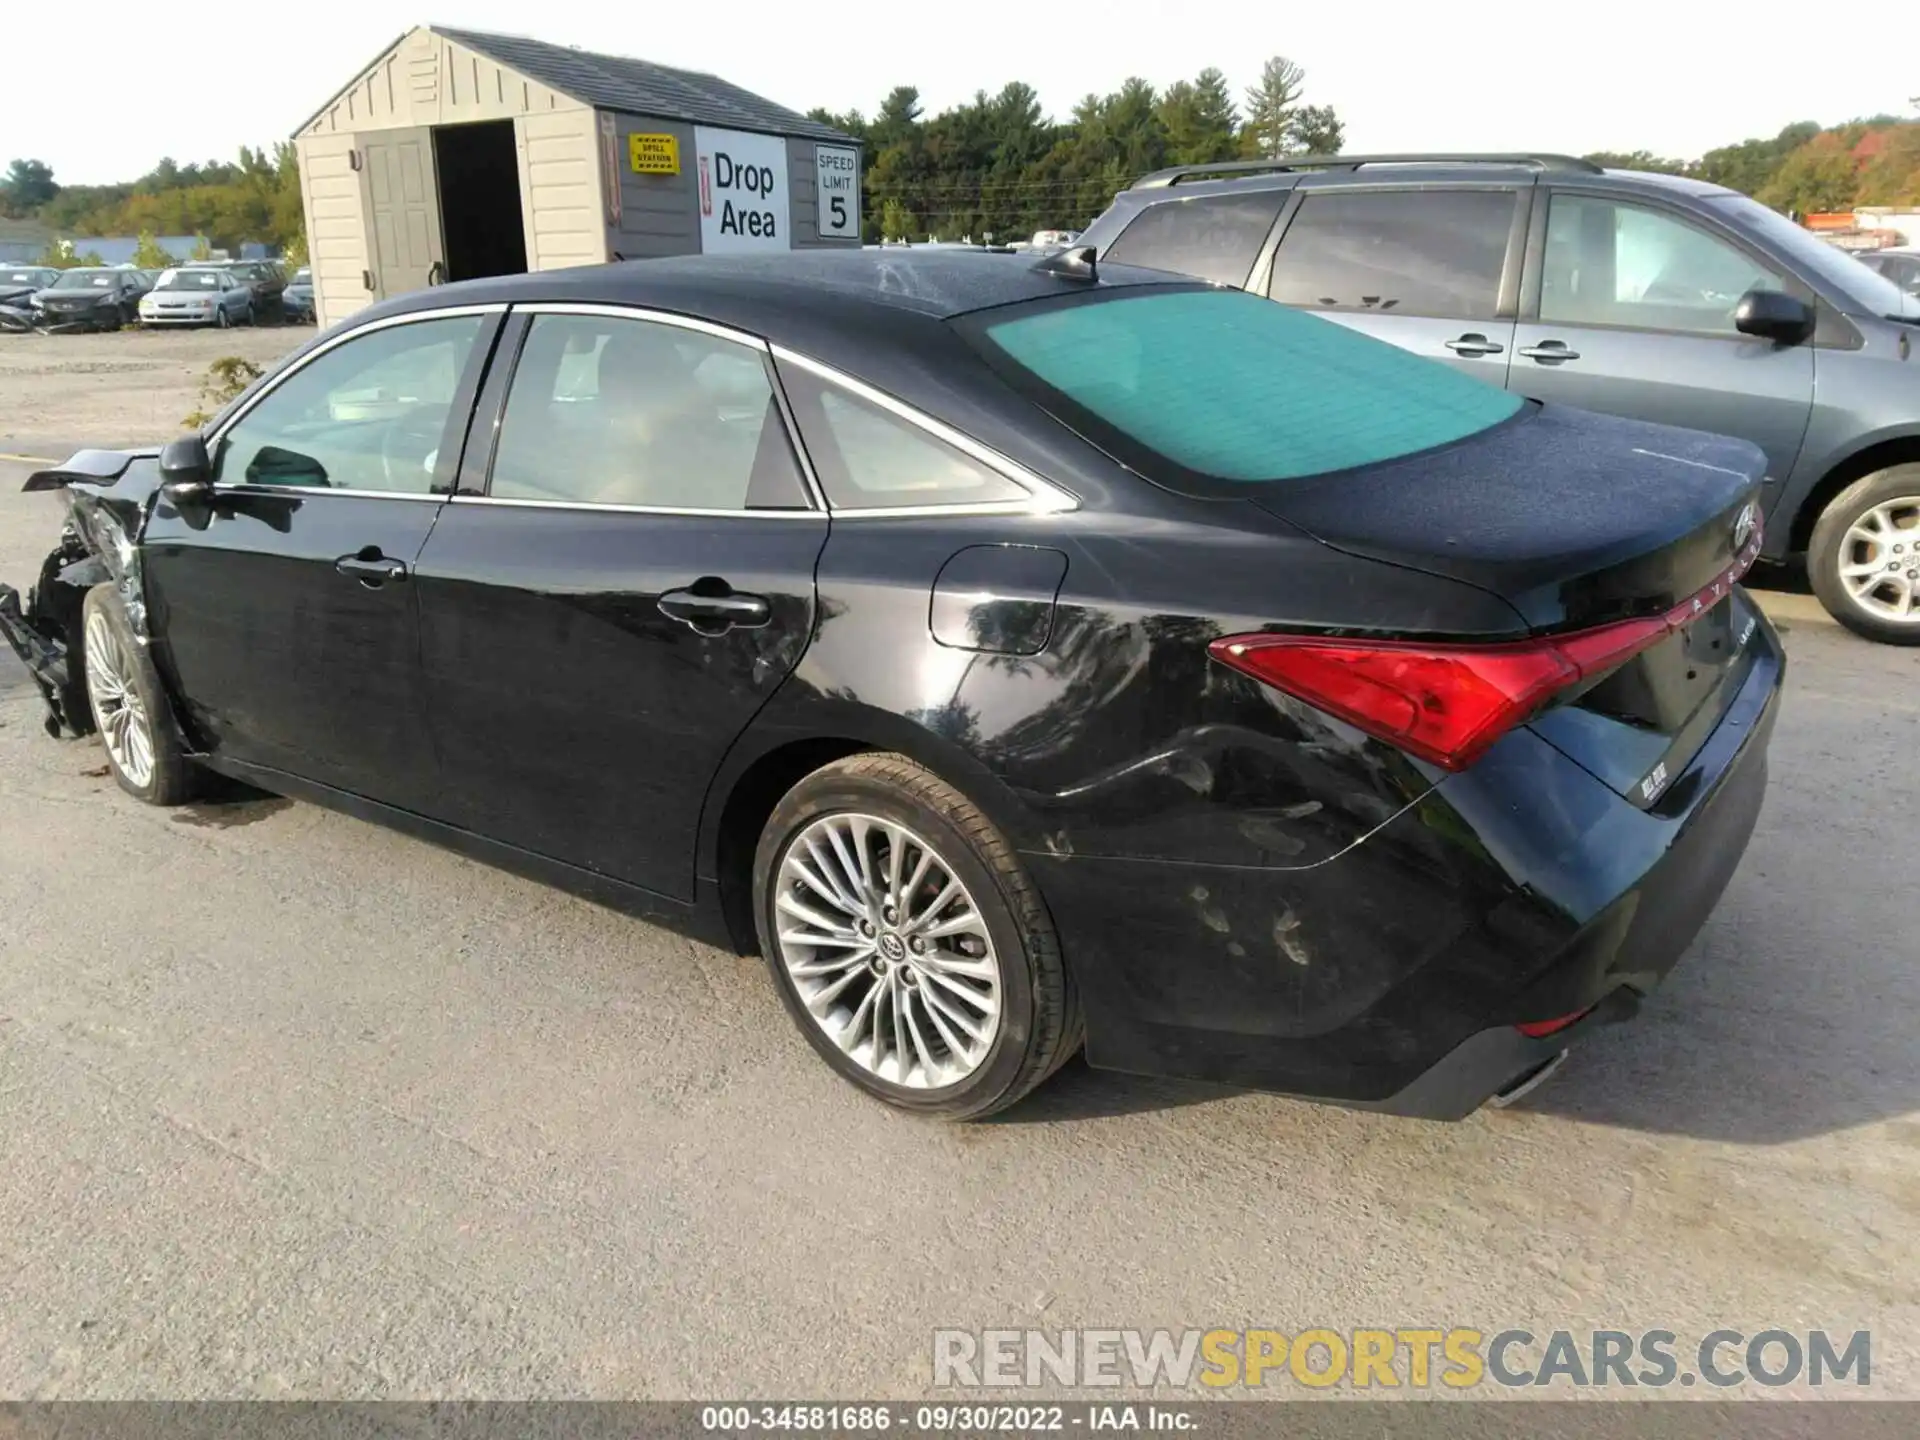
(1006, 653)
(297, 299)
(264, 279)
(199, 295)
(88, 299)
(1901, 266)
(1648, 296)
(19, 283)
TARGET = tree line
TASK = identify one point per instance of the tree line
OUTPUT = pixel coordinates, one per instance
(995, 166)
(998, 166)
(1807, 170)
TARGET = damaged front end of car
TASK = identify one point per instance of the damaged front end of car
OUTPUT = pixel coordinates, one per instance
(108, 494)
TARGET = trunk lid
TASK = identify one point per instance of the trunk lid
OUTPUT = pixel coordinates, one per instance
(1574, 519)
(1580, 521)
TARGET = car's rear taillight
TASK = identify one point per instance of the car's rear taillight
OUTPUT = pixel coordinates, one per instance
(1447, 703)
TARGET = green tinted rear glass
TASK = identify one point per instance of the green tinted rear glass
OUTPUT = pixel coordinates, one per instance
(1238, 388)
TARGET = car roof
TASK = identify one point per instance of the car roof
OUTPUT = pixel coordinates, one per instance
(781, 294)
(876, 315)
(1414, 170)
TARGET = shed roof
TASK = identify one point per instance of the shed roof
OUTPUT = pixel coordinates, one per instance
(640, 87)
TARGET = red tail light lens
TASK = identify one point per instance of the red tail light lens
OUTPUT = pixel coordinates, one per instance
(1448, 703)
(1540, 1029)
(1443, 703)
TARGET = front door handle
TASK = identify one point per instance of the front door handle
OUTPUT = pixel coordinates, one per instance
(1475, 344)
(371, 568)
(714, 609)
(1549, 352)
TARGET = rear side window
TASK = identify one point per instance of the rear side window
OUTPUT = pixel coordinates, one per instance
(869, 458)
(1415, 252)
(1218, 385)
(1215, 237)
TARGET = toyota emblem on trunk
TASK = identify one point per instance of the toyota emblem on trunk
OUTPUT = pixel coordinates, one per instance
(1743, 526)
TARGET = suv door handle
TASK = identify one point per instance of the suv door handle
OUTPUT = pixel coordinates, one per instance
(1475, 344)
(371, 568)
(716, 611)
(1549, 352)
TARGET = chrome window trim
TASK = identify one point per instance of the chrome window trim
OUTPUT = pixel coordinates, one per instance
(516, 503)
(1043, 496)
(809, 482)
(413, 317)
(244, 487)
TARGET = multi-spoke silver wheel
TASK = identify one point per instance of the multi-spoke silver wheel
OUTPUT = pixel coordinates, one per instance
(887, 950)
(1880, 560)
(117, 707)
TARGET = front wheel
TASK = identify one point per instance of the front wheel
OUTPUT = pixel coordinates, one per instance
(222, 318)
(1864, 560)
(908, 943)
(252, 317)
(130, 707)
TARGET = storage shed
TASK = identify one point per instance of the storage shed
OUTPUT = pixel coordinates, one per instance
(458, 154)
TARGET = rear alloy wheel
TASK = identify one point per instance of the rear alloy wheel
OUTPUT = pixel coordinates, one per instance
(907, 942)
(1864, 560)
(129, 707)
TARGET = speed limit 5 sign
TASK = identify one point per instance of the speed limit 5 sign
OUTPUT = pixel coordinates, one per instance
(839, 192)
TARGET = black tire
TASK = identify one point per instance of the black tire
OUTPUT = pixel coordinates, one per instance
(1830, 549)
(1040, 1024)
(253, 316)
(173, 779)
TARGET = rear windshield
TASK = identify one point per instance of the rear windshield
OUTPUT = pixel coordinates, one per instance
(1231, 387)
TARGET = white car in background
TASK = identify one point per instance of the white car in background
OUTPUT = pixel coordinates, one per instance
(198, 295)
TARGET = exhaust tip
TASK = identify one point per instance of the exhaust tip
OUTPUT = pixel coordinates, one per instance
(1527, 1081)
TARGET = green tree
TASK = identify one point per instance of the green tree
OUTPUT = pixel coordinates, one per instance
(1271, 107)
(896, 221)
(1318, 131)
(148, 255)
(1199, 120)
(202, 248)
(28, 185)
(1821, 175)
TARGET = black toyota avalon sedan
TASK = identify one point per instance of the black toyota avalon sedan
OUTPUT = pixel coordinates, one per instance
(1015, 654)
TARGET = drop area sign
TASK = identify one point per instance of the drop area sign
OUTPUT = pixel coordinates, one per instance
(743, 191)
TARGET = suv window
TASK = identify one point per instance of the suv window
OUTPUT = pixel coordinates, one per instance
(1613, 263)
(612, 411)
(1411, 252)
(369, 414)
(1216, 237)
(868, 458)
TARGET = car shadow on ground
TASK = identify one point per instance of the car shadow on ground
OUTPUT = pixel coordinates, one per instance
(1080, 1092)
(224, 804)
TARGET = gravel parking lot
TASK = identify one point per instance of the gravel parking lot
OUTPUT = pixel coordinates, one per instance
(294, 1106)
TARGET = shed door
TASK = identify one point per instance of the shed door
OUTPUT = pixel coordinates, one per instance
(403, 210)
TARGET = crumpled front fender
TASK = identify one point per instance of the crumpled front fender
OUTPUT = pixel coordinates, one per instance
(108, 495)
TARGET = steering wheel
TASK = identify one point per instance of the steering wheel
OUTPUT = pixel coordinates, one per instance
(401, 463)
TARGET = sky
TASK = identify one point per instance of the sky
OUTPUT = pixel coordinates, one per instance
(1676, 78)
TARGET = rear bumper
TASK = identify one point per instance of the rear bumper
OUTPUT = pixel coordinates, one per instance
(1391, 977)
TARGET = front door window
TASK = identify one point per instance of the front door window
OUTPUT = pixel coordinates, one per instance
(372, 414)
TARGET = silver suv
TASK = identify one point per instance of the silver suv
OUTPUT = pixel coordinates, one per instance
(1643, 295)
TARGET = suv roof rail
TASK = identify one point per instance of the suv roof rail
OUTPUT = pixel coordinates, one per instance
(1160, 179)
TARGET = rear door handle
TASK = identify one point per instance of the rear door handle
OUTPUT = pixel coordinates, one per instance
(371, 568)
(1549, 352)
(1475, 344)
(717, 611)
